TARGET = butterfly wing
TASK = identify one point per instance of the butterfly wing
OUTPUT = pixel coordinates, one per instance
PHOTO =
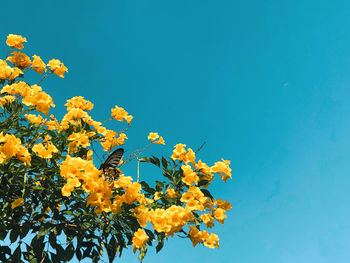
(109, 167)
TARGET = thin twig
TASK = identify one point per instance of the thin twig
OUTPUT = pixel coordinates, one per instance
(133, 154)
(200, 147)
(138, 169)
(43, 77)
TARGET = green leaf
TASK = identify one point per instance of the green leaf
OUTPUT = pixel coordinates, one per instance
(69, 252)
(147, 188)
(14, 234)
(207, 193)
(142, 254)
(111, 248)
(23, 231)
(145, 160)
(155, 161)
(165, 163)
(17, 254)
(44, 229)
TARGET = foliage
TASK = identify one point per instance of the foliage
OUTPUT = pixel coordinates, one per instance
(55, 204)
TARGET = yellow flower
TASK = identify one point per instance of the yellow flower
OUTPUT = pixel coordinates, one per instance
(179, 152)
(211, 240)
(160, 141)
(53, 124)
(195, 236)
(17, 202)
(190, 157)
(172, 193)
(7, 99)
(7, 72)
(19, 59)
(36, 119)
(15, 41)
(121, 139)
(223, 169)
(38, 98)
(38, 65)
(207, 219)
(57, 67)
(203, 167)
(219, 215)
(157, 195)
(78, 139)
(15, 73)
(153, 136)
(45, 151)
(119, 113)
(79, 102)
(190, 176)
(128, 118)
(21, 88)
(139, 239)
(223, 204)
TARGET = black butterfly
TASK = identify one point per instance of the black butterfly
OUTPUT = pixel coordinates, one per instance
(109, 168)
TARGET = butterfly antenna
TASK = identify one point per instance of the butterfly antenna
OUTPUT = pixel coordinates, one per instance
(92, 146)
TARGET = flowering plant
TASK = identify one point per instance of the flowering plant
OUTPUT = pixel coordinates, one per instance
(55, 204)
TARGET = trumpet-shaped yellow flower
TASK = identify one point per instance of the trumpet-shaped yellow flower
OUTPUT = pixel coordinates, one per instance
(57, 67)
(79, 103)
(35, 119)
(19, 59)
(7, 99)
(139, 239)
(179, 152)
(153, 136)
(15, 41)
(120, 114)
(45, 151)
(223, 169)
(38, 65)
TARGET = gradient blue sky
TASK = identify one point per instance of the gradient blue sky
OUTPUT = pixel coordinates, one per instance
(265, 83)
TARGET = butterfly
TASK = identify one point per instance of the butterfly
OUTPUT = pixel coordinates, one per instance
(109, 168)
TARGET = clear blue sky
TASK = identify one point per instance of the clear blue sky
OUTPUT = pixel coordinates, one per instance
(265, 83)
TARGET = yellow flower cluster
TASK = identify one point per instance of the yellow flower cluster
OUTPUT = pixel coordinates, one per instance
(79, 172)
(79, 102)
(35, 119)
(132, 190)
(169, 220)
(153, 136)
(194, 199)
(38, 65)
(45, 151)
(79, 139)
(223, 169)
(12, 147)
(20, 60)
(15, 41)
(120, 114)
(6, 72)
(57, 67)
(32, 95)
(53, 124)
(190, 176)
(110, 140)
(197, 236)
(139, 239)
(7, 99)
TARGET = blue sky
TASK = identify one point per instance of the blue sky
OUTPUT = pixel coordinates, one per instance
(264, 83)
